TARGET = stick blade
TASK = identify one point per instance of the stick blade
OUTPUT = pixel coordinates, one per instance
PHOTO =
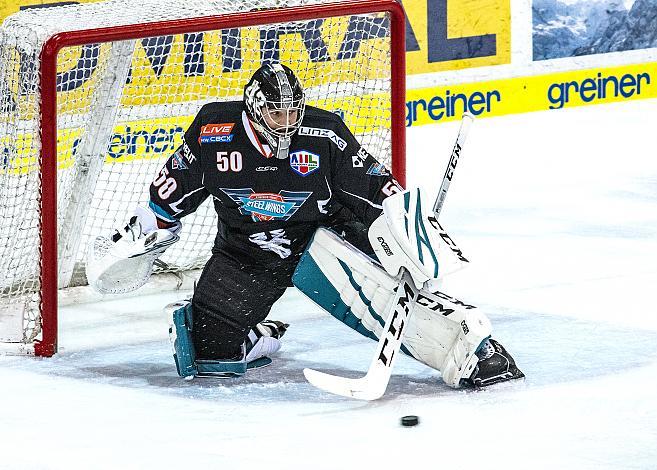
(361, 389)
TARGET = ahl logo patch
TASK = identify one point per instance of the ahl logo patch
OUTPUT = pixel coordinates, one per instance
(304, 162)
(215, 133)
(267, 206)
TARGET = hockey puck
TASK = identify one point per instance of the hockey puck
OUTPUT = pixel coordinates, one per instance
(410, 420)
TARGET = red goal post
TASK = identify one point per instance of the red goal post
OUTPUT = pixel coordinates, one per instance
(48, 282)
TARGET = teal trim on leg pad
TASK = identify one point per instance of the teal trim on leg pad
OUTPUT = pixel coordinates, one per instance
(226, 369)
(263, 361)
(310, 279)
(184, 354)
(222, 368)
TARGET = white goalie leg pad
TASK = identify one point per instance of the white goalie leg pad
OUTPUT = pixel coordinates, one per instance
(408, 235)
(446, 333)
(442, 333)
(123, 261)
(345, 282)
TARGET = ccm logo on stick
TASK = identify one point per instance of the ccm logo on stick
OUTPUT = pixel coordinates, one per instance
(398, 323)
(385, 246)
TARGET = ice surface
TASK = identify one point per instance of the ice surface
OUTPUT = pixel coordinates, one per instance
(558, 213)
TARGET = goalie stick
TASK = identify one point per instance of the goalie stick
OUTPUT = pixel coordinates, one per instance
(374, 383)
(466, 122)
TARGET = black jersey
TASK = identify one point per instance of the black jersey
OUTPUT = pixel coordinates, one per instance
(269, 208)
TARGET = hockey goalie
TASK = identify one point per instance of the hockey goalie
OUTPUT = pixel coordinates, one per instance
(298, 200)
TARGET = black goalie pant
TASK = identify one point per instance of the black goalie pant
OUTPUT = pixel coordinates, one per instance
(230, 298)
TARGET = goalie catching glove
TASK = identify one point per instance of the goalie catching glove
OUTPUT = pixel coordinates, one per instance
(124, 261)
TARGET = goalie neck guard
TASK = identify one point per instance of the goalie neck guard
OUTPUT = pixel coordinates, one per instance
(274, 95)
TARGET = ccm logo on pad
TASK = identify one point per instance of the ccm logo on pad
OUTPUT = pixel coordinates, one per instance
(385, 246)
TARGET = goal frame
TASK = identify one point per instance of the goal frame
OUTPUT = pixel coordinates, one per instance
(47, 345)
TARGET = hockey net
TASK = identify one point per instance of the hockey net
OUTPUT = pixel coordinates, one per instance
(87, 117)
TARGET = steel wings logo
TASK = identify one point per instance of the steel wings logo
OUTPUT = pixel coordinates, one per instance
(267, 206)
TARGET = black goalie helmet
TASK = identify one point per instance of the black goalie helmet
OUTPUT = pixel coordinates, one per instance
(275, 102)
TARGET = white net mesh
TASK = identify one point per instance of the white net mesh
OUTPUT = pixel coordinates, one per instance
(123, 107)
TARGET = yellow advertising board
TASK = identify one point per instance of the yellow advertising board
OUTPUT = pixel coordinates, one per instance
(154, 138)
(536, 93)
(456, 34)
(441, 34)
(7, 7)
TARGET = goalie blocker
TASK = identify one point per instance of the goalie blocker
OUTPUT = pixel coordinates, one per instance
(442, 332)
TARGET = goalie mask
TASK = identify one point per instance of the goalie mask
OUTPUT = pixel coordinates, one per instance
(275, 103)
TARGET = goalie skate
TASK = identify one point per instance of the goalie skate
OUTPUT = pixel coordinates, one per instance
(262, 341)
(495, 365)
